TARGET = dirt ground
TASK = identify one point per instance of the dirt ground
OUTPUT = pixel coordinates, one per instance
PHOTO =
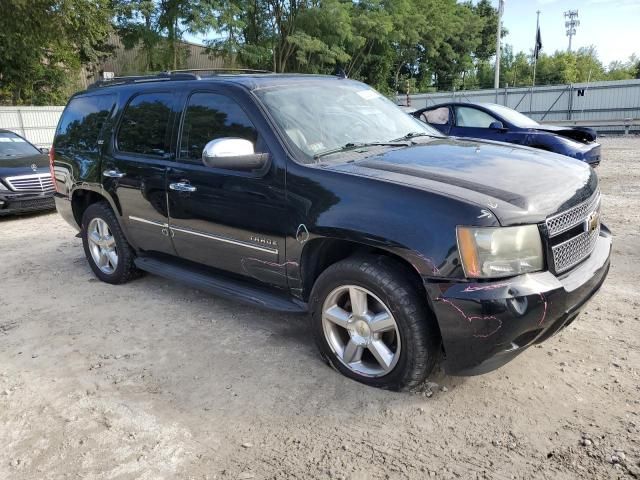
(153, 380)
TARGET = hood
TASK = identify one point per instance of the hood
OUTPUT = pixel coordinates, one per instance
(14, 166)
(519, 185)
(579, 134)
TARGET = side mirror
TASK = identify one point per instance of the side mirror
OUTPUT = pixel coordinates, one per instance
(233, 154)
(497, 126)
(44, 150)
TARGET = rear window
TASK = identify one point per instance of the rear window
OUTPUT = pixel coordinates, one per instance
(12, 145)
(82, 122)
(145, 125)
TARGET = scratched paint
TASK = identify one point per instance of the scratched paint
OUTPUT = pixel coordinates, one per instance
(435, 270)
(280, 269)
(473, 318)
(544, 310)
(478, 288)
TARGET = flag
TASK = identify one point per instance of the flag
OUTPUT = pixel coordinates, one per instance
(536, 51)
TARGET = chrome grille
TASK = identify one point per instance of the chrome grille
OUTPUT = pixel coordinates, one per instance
(568, 219)
(28, 183)
(573, 251)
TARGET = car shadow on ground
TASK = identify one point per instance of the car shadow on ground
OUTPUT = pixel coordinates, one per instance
(14, 217)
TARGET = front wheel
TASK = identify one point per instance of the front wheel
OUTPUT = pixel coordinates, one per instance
(371, 323)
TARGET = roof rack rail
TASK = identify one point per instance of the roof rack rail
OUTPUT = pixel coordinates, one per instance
(158, 77)
(219, 70)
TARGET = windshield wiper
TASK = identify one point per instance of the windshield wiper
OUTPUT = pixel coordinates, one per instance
(356, 145)
(411, 135)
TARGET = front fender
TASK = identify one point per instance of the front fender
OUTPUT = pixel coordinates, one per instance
(418, 226)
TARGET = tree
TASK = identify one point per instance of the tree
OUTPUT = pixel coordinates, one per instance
(620, 70)
(158, 26)
(44, 45)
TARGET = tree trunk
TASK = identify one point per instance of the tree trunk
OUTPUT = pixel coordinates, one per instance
(15, 98)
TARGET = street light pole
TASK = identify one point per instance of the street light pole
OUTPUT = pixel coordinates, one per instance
(496, 83)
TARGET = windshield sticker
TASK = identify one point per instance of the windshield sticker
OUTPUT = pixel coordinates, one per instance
(368, 94)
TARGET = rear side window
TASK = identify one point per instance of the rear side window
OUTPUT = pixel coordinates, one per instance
(145, 125)
(82, 122)
(210, 116)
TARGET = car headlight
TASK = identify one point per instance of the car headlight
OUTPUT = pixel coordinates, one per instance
(500, 251)
(2, 187)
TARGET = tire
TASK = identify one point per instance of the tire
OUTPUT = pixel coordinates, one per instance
(119, 268)
(414, 340)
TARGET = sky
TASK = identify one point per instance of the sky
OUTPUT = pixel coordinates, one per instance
(612, 26)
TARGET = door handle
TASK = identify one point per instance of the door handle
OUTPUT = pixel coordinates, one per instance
(113, 173)
(182, 187)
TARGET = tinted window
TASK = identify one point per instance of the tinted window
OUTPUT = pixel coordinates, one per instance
(210, 116)
(82, 121)
(145, 125)
(471, 117)
(12, 145)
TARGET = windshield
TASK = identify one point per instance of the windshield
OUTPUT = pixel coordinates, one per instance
(324, 116)
(512, 116)
(11, 145)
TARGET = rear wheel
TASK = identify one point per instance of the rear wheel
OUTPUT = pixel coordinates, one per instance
(109, 254)
(371, 323)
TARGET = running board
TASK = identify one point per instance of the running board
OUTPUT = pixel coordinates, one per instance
(222, 286)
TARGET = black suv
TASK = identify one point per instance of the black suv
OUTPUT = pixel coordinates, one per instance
(317, 194)
(25, 179)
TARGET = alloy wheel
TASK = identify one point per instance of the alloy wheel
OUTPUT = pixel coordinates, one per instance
(361, 331)
(102, 246)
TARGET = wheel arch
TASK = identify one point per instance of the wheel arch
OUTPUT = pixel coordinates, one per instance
(81, 198)
(320, 253)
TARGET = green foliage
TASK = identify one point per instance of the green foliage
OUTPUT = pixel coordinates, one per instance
(44, 44)
(383, 42)
(393, 45)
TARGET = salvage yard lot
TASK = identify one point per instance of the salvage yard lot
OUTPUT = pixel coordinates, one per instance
(154, 380)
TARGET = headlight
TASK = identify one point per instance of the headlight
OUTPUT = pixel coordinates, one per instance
(500, 252)
(2, 187)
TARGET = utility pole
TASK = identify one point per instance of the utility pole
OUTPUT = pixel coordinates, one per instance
(571, 24)
(496, 82)
(536, 53)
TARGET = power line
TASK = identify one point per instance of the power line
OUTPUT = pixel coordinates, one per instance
(571, 24)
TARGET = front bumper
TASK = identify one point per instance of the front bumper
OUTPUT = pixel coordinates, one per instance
(591, 155)
(15, 203)
(485, 325)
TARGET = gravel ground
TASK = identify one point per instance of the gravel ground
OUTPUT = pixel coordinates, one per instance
(153, 380)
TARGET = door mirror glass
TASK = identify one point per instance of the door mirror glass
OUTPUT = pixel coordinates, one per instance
(232, 153)
(496, 125)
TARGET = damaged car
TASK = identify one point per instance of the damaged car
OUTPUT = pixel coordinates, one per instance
(317, 195)
(490, 121)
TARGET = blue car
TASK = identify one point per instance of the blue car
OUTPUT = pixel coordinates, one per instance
(489, 121)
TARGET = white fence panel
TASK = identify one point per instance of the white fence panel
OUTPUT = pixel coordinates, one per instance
(598, 103)
(36, 124)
